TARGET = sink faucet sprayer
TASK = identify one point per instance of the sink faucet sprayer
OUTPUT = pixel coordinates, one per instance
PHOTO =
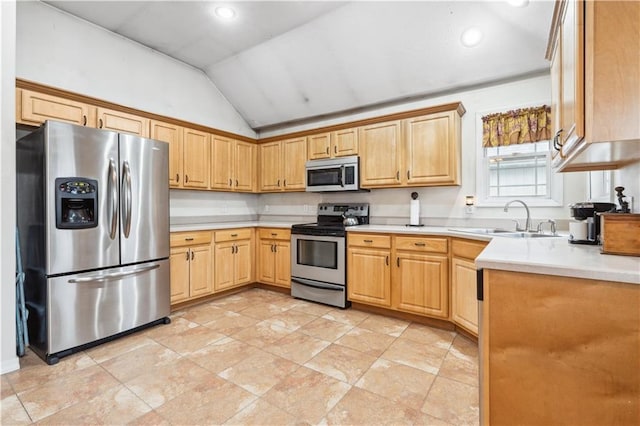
(527, 225)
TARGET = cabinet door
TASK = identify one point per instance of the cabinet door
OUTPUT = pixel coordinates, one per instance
(283, 263)
(179, 262)
(421, 284)
(196, 159)
(266, 262)
(319, 146)
(117, 121)
(294, 157)
(464, 303)
(222, 162)
(224, 267)
(556, 94)
(344, 142)
(173, 135)
(200, 271)
(380, 152)
(243, 262)
(369, 276)
(36, 107)
(572, 58)
(270, 179)
(432, 149)
(245, 166)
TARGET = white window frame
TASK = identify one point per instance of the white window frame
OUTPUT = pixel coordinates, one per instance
(555, 180)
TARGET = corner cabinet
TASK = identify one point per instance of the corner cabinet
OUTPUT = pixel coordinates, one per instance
(282, 165)
(596, 123)
(234, 258)
(274, 256)
(416, 151)
(464, 302)
(191, 263)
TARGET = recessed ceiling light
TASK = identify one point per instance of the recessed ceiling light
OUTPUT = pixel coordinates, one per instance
(471, 37)
(518, 3)
(225, 12)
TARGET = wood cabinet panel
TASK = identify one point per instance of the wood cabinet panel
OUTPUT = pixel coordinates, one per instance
(178, 239)
(222, 162)
(225, 267)
(233, 234)
(344, 142)
(423, 244)
(245, 164)
(283, 264)
(464, 303)
(294, 157)
(35, 108)
(381, 154)
(421, 284)
(319, 146)
(274, 256)
(191, 262)
(369, 276)
(200, 271)
(274, 234)
(270, 156)
(179, 263)
(466, 248)
(118, 121)
(171, 134)
(369, 240)
(266, 261)
(196, 147)
(234, 258)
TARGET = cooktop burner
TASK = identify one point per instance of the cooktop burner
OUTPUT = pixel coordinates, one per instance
(330, 219)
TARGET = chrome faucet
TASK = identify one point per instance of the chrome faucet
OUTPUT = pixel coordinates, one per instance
(550, 222)
(527, 225)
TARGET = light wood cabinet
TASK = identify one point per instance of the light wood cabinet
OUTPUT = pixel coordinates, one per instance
(338, 143)
(234, 258)
(421, 276)
(233, 164)
(196, 146)
(172, 134)
(274, 256)
(191, 265)
(368, 269)
(568, 346)
(381, 154)
(464, 301)
(282, 165)
(35, 108)
(118, 121)
(597, 117)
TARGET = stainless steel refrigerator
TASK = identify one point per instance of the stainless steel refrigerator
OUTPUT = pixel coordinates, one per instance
(93, 219)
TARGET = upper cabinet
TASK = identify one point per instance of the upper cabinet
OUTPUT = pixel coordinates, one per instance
(282, 165)
(173, 135)
(417, 151)
(118, 121)
(339, 143)
(35, 108)
(595, 69)
(233, 164)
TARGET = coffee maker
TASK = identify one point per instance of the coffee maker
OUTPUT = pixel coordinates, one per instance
(585, 226)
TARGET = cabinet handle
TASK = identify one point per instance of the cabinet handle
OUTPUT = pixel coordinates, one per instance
(285, 182)
(274, 234)
(230, 182)
(186, 178)
(556, 142)
(100, 123)
(234, 235)
(177, 177)
(188, 239)
(275, 248)
(420, 244)
(193, 255)
(278, 183)
(398, 261)
(84, 120)
(335, 149)
(408, 174)
(398, 175)
(327, 150)
(188, 251)
(236, 182)
(368, 241)
(387, 260)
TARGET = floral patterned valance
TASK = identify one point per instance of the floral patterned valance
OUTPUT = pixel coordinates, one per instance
(515, 127)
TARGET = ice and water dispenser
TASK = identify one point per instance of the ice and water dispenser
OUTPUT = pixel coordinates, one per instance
(76, 203)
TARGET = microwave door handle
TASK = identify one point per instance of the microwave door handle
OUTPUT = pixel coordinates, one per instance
(342, 176)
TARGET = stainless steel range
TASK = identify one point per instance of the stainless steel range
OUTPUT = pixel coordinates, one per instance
(318, 253)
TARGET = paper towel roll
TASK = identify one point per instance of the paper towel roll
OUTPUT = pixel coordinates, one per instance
(414, 216)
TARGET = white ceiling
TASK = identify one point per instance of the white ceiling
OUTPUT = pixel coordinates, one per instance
(282, 61)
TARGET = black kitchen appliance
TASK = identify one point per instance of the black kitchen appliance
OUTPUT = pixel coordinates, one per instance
(585, 226)
(318, 253)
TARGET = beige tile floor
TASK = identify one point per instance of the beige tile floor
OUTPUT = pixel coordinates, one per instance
(261, 358)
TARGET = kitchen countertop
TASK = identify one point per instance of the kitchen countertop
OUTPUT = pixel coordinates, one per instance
(550, 256)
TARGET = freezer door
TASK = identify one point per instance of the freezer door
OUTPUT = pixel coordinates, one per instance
(87, 154)
(144, 199)
(86, 307)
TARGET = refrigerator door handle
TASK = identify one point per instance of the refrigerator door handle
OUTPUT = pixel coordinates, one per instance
(113, 198)
(113, 276)
(126, 190)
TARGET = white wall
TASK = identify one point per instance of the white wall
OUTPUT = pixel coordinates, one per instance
(60, 50)
(440, 203)
(8, 358)
(629, 178)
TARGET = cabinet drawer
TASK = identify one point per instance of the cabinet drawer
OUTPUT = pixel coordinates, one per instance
(467, 249)
(369, 240)
(233, 234)
(426, 244)
(178, 239)
(274, 234)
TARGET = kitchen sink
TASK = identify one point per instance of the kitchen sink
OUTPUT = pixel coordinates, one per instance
(503, 233)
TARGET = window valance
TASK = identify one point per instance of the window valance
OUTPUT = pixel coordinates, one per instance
(515, 127)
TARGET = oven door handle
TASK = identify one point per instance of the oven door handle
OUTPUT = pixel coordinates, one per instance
(317, 284)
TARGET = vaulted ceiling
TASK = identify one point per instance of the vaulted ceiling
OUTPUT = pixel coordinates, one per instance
(283, 61)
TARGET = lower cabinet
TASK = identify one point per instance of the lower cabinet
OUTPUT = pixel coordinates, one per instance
(274, 256)
(464, 303)
(191, 265)
(368, 269)
(234, 255)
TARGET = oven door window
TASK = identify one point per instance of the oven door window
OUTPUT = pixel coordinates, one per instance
(323, 177)
(321, 254)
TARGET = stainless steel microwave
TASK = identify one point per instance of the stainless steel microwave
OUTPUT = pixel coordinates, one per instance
(333, 174)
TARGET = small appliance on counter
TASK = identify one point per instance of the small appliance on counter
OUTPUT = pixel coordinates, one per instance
(585, 226)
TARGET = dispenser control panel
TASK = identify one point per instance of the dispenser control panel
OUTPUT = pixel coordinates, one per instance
(76, 203)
